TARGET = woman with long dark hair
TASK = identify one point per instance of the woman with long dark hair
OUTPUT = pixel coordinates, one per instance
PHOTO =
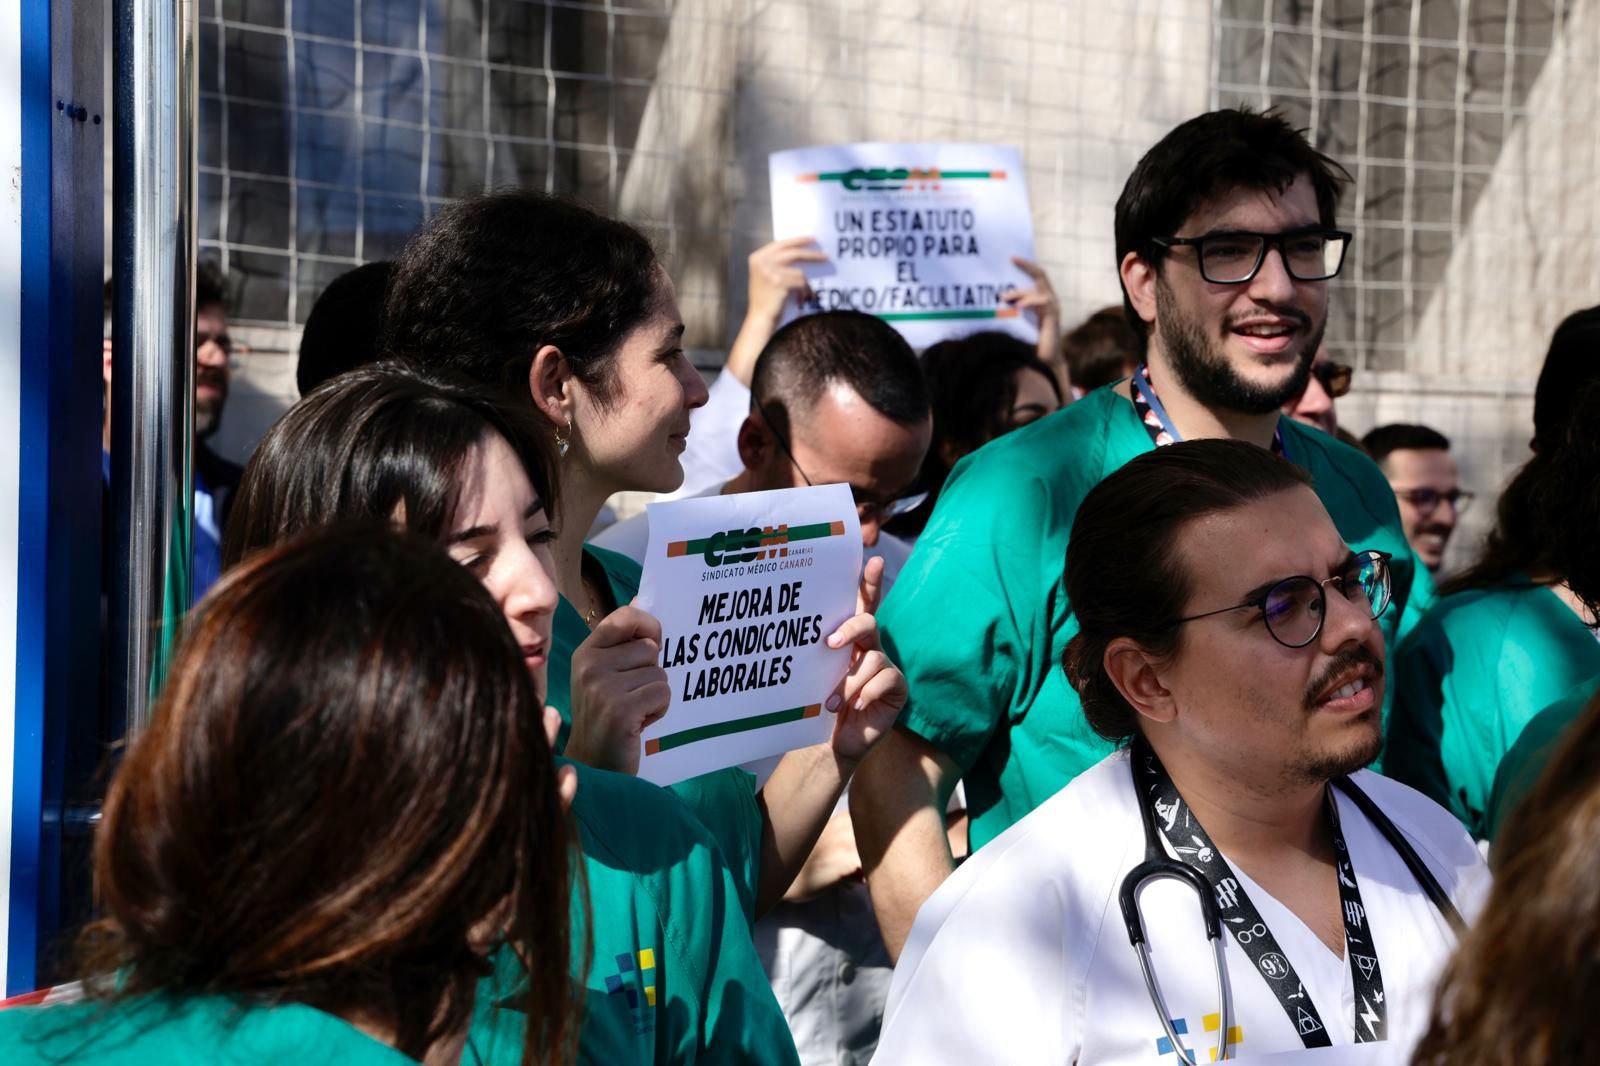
(573, 317)
(670, 971)
(1524, 979)
(288, 867)
(1507, 636)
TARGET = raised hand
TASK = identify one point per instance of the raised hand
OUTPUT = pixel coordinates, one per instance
(618, 688)
(1041, 300)
(872, 694)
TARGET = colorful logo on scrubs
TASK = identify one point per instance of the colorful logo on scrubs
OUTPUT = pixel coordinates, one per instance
(1211, 1023)
(898, 179)
(635, 982)
(750, 545)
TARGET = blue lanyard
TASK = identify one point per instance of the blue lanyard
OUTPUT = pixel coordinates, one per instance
(1141, 382)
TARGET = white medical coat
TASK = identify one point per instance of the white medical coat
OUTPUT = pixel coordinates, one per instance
(1022, 957)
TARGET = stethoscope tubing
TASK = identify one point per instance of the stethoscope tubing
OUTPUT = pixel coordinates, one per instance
(1158, 865)
(1153, 869)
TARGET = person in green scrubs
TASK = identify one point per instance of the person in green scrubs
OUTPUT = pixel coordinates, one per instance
(1534, 749)
(287, 868)
(590, 342)
(979, 616)
(1511, 634)
(1574, 481)
(670, 971)
(1521, 986)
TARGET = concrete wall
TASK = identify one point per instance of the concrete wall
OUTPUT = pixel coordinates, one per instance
(1469, 125)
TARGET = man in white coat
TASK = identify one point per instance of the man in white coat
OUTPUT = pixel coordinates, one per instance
(1229, 645)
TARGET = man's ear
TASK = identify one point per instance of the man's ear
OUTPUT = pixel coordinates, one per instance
(1137, 675)
(550, 383)
(755, 442)
(1139, 281)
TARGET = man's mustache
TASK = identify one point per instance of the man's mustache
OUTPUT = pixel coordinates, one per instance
(1342, 663)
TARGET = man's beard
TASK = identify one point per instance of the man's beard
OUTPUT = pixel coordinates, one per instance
(208, 413)
(1363, 748)
(1341, 762)
(1205, 373)
(206, 419)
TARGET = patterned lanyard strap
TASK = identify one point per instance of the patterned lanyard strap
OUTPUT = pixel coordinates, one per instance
(1193, 846)
(1147, 405)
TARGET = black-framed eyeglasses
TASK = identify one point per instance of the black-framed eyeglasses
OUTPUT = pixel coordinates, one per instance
(1426, 501)
(1313, 254)
(1294, 608)
(884, 510)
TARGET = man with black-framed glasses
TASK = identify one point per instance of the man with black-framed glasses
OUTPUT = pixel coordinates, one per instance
(1227, 245)
(1229, 647)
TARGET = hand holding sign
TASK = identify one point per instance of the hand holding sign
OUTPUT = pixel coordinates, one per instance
(872, 694)
(618, 688)
(747, 588)
(921, 235)
(775, 274)
(1040, 298)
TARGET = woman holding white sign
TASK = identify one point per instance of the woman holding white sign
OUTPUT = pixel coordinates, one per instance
(448, 463)
(549, 301)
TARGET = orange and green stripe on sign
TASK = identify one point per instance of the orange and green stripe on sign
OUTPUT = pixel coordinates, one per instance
(734, 541)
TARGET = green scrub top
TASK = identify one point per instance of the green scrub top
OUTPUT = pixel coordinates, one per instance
(1477, 668)
(979, 615)
(724, 800)
(1532, 753)
(161, 1031)
(673, 977)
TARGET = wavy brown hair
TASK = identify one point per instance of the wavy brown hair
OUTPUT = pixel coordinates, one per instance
(1525, 977)
(343, 796)
(1527, 973)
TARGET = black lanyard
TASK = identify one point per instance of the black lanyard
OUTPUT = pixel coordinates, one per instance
(1193, 846)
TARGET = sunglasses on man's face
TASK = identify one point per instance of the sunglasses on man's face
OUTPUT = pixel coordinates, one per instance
(1334, 377)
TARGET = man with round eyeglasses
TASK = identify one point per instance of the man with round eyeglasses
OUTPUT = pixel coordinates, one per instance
(1227, 245)
(1229, 647)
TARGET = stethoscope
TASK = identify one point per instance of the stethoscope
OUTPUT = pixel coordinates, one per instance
(1157, 865)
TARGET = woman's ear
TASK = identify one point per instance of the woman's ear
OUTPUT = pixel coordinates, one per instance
(550, 384)
(1137, 675)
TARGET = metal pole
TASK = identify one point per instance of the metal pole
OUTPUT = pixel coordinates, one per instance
(152, 388)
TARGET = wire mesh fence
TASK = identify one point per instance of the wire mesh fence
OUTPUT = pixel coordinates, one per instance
(1470, 128)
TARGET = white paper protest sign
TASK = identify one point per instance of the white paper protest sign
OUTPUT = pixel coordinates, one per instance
(747, 587)
(920, 235)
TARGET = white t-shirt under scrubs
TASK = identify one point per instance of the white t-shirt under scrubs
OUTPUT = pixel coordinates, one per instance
(1022, 957)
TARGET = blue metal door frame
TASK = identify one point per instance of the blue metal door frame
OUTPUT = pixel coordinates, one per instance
(57, 729)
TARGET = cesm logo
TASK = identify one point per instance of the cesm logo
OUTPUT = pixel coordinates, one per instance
(899, 179)
(737, 546)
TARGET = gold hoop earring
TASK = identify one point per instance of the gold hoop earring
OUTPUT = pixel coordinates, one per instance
(564, 439)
